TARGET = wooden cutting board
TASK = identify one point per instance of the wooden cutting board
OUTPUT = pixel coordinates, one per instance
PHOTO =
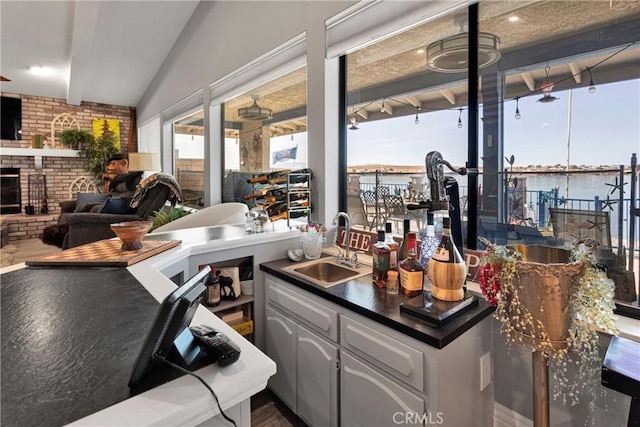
(103, 253)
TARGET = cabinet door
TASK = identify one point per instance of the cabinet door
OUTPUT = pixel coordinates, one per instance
(317, 379)
(370, 399)
(280, 346)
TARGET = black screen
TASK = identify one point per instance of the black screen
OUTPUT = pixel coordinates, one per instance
(10, 118)
(174, 316)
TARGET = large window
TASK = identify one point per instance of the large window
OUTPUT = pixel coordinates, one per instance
(558, 121)
(265, 130)
(188, 146)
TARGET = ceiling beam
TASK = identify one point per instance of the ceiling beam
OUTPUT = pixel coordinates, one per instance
(575, 71)
(448, 95)
(529, 80)
(413, 100)
(363, 113)
(85, 22)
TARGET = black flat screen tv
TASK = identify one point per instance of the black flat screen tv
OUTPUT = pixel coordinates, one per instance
(169, 336)
(10, 118)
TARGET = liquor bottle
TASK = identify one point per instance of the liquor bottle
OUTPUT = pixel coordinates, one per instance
(446, 268)
(403, 251)
(380, 254)
(212, 294)
(394, 247)
(410, 269)
(276, 209)
(428, 241)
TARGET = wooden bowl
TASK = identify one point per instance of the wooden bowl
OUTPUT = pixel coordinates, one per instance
(131, 233)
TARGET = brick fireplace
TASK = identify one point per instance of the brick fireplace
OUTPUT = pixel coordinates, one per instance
(58, 167)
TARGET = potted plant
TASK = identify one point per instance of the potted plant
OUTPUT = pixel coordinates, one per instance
(76, 139)
(97, 153)
(554, 302)
(163, 217)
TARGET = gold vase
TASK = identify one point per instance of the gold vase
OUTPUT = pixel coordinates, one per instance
(545, 283)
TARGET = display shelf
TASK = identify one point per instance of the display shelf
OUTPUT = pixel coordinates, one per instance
(225, 304)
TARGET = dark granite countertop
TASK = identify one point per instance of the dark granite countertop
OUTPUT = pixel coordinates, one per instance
(70, 338)
(362, 297)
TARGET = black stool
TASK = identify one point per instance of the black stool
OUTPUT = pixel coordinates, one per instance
(621, 372)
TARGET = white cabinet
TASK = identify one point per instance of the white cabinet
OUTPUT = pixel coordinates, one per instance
(385, 377)
(316, 379)
(370, 399)
(280, 346)
(307, 375)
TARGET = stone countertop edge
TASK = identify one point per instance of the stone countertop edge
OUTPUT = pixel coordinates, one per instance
(388, 316)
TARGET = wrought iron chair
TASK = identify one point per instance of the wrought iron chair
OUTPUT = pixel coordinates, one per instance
(394, 209)
(373, 211)
(356, 210)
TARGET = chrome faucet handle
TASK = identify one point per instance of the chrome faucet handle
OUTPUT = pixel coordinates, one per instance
(354, 258)
(341, 254)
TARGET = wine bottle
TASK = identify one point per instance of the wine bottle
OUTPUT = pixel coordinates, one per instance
(402, 252)
(446, 268)
(290, 214)
(410, 269)
(265, 178)
(428, 241)
(394, 248)
(278, 193)
(276, 208)
(380, 253)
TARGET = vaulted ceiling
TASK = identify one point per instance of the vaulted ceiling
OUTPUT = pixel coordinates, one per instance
(100, 51)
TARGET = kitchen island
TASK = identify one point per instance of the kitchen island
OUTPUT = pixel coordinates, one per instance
(70, 337)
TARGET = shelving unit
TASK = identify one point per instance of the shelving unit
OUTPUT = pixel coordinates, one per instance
(294, 192)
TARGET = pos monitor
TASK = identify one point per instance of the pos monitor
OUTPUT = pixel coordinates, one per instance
(169, 336)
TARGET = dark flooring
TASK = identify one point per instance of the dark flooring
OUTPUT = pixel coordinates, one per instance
(267, 410)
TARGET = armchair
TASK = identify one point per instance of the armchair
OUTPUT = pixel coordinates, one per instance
(79, 228)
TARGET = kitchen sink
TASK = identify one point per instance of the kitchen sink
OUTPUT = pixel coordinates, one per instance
(325, 272)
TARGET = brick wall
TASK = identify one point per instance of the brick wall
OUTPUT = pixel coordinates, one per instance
(60, 172)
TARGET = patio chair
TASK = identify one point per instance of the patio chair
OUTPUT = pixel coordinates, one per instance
(355, 209)
(373, 210)
(394, 209)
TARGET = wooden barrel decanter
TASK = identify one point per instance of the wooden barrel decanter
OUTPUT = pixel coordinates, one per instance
(446, 268)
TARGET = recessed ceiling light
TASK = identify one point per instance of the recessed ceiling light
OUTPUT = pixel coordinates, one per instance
(41, 71)
(420, 51)
(514, 18)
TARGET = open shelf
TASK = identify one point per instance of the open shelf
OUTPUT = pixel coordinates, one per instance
(225, 304)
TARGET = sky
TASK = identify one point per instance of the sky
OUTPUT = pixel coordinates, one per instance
(539, 137)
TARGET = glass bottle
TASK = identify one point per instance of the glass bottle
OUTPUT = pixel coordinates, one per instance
(446, 268)
(380, 255)
(402, 252)
(411, 271)
(394, 247)
(212, 295)
(428, 241)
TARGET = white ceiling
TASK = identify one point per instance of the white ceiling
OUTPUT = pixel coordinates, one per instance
(102, 51)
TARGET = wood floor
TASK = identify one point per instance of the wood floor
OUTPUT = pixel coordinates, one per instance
(267, 410)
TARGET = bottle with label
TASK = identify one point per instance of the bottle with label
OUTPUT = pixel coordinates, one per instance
(446, 268)
(394, 247)
(212, 294)
(411, 271)
(428, 241)
(380, 254)
(402, 252)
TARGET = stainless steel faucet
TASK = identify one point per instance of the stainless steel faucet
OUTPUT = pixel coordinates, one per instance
(343, 256)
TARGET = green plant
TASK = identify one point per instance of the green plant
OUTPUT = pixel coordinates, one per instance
(75, 138)
(163, 217)
(98, 152)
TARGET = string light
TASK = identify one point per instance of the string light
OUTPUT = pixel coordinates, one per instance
(460, 118)
(518, 108)
(417, 120)
(382, 110)
(592, 87)
(353, 121)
